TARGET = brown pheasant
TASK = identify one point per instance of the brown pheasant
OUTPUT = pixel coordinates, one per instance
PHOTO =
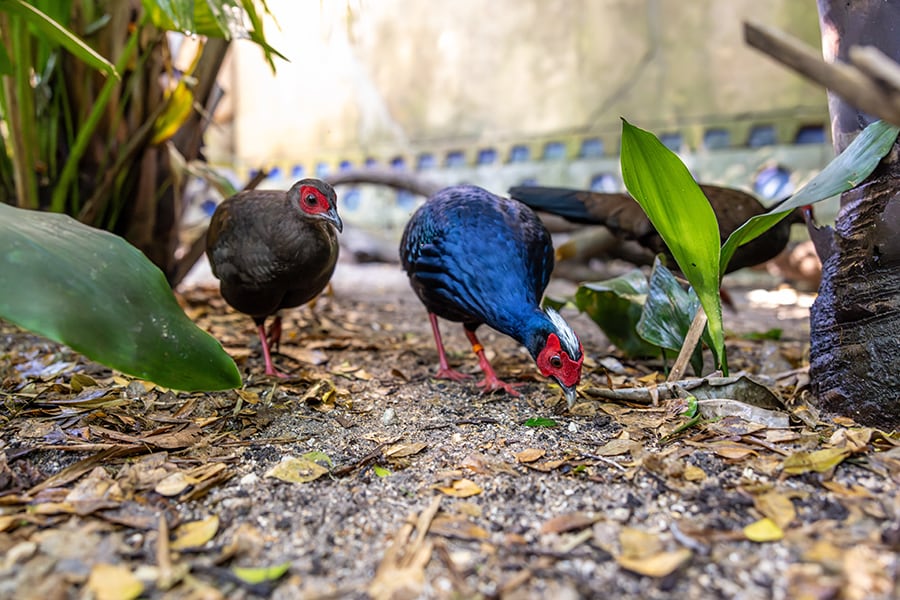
(272, 249)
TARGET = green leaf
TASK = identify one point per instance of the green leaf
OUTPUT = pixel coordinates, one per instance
(668, 313)
(616, 305)
(682, 216)
(381, 471)
(257, 575)
(540, 422)
(58, 34)
(93, 291)
(850, 168)
(213, 18)
(319, 457)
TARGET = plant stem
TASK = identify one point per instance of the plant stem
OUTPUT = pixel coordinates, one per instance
(20, 115)
(70, 169)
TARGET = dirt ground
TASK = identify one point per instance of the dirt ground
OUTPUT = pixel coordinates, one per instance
(390, 484)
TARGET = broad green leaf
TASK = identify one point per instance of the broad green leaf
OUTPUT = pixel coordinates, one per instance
(616, 305)
(213, 18)
(682, 216)
(667, 314)
(381, 471)
(97, 293)
(845, 172)
(58, 34)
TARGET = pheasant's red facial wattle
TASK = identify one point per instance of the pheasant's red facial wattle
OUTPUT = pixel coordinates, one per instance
(554, 362)
(312, 201)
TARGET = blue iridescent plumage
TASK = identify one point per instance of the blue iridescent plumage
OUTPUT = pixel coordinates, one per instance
(477, 258)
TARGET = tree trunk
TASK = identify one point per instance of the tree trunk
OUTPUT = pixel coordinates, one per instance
(855, 321)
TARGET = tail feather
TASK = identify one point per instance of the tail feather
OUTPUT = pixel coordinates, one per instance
(564, 202)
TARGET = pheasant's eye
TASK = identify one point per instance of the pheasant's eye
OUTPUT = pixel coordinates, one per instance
(311, 200)
(556, 362)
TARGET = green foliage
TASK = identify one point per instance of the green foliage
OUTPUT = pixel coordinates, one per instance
(679, 211)
(88, 145)
(674, 203)
(93, 291)
(642, 318)
(616, 306)
(213, 18)
(845, 172)
(540, 422)
(667, 314)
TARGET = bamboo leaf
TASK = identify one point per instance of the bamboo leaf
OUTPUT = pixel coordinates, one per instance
(93, 291)
(682, 215)
(845, 172)
(58, 34)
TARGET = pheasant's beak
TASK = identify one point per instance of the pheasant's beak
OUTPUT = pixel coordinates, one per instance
(333, 216)
(570, 394)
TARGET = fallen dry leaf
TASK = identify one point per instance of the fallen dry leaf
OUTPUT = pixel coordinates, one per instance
(693, 473)
(764, 530)
(403, 450)
(530, 455)
(637, 543)
(656, 565)
(292, 469)
(778, 507)
(113, 582)
(569, 522)
(460, 488)
(458, 528)
(818, 461)
(195, 534)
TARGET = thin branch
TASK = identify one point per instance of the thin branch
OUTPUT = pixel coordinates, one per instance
(853, 85)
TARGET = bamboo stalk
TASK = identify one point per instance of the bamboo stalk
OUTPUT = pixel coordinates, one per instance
(70, 169)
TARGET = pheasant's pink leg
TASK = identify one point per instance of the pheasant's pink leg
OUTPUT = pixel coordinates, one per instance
(274, 336)
(445, 371)
(490, 383)
(270, 370)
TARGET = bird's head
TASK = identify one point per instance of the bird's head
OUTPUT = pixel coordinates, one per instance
(558, 353)
(316, 199)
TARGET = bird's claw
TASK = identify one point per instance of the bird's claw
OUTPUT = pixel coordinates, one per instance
(490, 385)
(451, 374)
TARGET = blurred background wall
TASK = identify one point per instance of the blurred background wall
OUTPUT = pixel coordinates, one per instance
(504, 92)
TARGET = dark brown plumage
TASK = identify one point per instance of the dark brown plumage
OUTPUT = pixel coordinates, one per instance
(626, 219)
(272, 249)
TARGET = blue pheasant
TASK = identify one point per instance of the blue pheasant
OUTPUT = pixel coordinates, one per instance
(477, 258)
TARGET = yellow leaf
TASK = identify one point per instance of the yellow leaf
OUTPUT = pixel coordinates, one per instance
(461, 488)
(529, 455)
(656, 565)
(178, 108)
(694, 473)
(195, 533)
(764, 530)
(113, 582)
(777, 507)
(818, 461)
(637, 543)
(296, 470)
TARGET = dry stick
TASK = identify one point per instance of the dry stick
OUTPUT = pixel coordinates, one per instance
(845, 80)
(877, 65)
(687, 349)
